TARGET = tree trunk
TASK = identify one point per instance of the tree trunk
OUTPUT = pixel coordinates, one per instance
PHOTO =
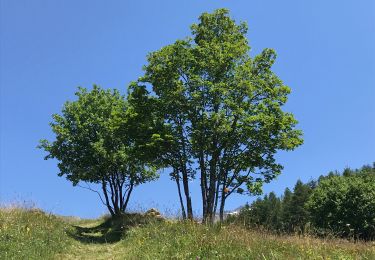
(212, 187)
(127, 197)
(177, 178)
(222, 206)
(120, 185)
(224, 173)
(185, 181)
(203, 186)
(185, 177)
(114, 197)
(108, 204)
(217, 196)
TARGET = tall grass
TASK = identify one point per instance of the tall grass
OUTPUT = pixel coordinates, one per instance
(31, 234)
(176, 240)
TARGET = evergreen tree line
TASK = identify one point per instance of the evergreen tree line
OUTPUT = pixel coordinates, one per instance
(340, 204)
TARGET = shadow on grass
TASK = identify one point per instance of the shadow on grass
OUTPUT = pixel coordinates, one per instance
(111, 230)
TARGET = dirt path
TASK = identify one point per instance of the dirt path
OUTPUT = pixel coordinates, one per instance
(92, 251)
(93, 241)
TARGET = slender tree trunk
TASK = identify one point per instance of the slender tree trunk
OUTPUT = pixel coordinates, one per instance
(116, 189)
(185, 181)
(114, 197)
(220, 181)
(203, 185)
(217, 196)
(177, 179)
(213, 178)
(108, 204)
(120, 185)
(128, 197)
(223, 194)
(212, 187)
(222, 206)
(185, 177)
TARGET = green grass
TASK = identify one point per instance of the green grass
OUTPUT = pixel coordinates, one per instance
(172, 240)
(108, 230)
(32, 234)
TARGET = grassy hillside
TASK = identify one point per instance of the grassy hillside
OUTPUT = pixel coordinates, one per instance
(189, 241)
(32, 234)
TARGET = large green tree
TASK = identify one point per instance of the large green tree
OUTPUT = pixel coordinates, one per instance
(223, 110)
(102, 138)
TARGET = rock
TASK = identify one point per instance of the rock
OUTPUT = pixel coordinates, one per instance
(153, 213)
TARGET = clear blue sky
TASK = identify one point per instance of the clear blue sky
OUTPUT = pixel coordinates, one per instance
(326, 54)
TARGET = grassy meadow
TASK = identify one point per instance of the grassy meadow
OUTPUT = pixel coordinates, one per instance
(33, 234)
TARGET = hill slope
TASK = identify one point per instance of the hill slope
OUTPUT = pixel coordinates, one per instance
(32, 234)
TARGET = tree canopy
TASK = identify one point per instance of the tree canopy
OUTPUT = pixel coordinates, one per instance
(101, 139)
(213, 113)
(223, 109)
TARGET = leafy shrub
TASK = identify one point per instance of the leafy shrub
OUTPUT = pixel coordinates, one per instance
(345, 205)
(337, 204)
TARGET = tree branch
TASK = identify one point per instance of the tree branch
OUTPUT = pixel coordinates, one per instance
(90, 189)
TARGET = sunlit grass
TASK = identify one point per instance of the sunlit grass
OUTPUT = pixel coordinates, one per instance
(33, 234)
(193, 241)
